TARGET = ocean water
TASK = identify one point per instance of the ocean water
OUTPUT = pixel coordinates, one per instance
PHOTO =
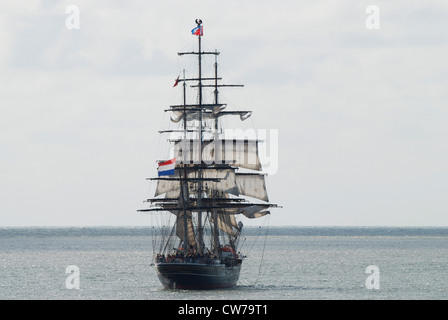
(294, 263)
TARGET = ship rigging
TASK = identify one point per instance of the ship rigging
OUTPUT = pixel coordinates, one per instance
(207, 185)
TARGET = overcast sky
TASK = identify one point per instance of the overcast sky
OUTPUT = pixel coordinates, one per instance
(361, 111)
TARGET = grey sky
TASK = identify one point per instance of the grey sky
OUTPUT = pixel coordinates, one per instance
(361, 113)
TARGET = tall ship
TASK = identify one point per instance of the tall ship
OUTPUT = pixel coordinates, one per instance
(206, 189)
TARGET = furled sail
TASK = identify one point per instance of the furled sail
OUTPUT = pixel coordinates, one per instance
(176, 116)
(216, 112)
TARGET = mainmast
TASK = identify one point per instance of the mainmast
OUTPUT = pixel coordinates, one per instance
(200, 185)
(199, 109)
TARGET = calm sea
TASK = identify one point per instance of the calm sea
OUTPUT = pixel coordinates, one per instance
(293, 263)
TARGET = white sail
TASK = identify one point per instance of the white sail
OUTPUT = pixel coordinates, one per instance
(225, 184)
(180, 229)
(239, 153)
(256, 214)
(252, 185)
(225, 223)
(165, 185)
(176, 116)
(226, 181)
(251, 212)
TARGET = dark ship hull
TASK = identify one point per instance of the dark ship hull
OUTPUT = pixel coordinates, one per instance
(193, 276)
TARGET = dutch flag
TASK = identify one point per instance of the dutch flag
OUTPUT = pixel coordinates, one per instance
(198, 31)
(166, 168)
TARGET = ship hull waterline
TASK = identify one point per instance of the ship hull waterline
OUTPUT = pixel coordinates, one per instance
(198, 276)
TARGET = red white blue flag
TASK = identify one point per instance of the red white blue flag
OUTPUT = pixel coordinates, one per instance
(197, 31)
(166, 168)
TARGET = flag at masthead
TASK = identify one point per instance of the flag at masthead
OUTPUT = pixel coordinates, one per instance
(198, 31)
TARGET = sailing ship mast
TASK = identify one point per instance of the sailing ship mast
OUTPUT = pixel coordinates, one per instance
(207, 180)
(200, 135)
